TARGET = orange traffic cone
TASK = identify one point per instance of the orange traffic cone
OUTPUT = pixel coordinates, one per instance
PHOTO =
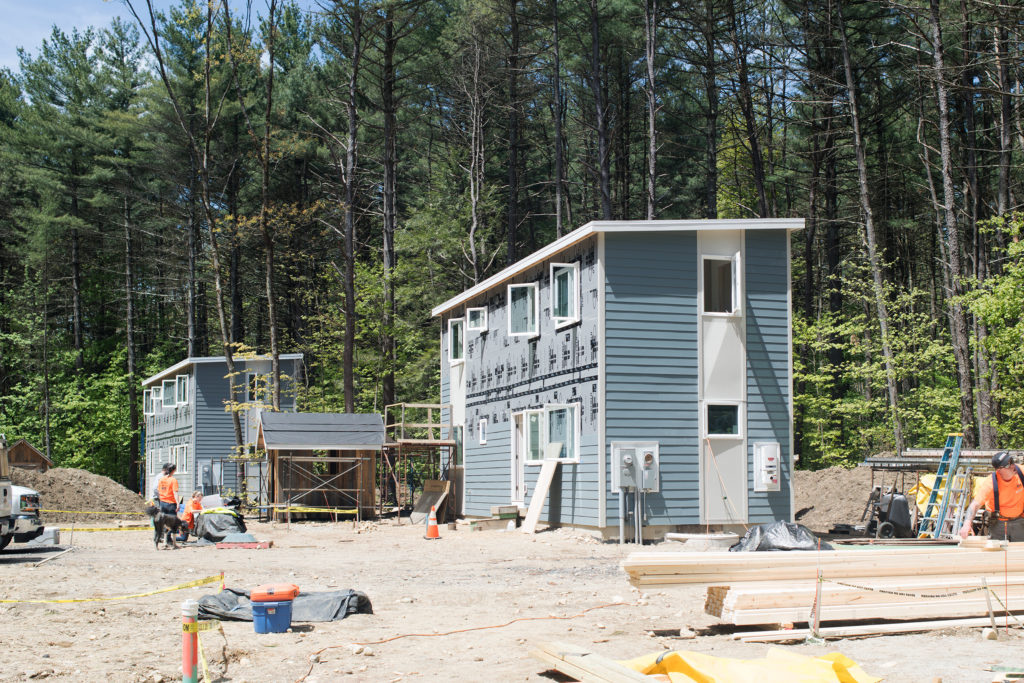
(432, 532)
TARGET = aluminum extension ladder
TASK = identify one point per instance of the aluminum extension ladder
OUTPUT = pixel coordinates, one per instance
(935, 512)
(961, 491)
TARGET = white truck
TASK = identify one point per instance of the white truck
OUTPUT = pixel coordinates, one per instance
(6, 523)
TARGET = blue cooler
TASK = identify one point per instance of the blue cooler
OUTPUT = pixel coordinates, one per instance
(272, 617)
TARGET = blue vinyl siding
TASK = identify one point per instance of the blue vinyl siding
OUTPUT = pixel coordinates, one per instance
(651, 363)
(768, 347)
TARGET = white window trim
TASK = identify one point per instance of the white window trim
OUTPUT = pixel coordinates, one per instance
(737, 283)
(575, 305)
(181, 390)
(481, 428)
(451, 359)
(481, 328)
(156, 396)
(545, 438)
(536, 311)
(741, 419)
(147, 402)
(181, 459)
(168, 384)
(526, 434)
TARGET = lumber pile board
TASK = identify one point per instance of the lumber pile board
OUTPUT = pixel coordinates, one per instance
(862, 630)
(584, 665)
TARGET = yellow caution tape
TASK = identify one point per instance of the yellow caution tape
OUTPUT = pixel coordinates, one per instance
(180, 586)
(109, 528)
(301, 509)
(88, 512)
(198, 626)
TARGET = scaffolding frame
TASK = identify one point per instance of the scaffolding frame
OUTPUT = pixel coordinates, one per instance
(408, 439)
(290, 467)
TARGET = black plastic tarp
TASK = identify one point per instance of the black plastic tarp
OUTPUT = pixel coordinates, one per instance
(214, 526)
(779, 536)
(232, 604)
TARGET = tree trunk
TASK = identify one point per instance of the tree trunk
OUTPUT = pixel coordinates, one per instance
(129, 332)
(710, 70)
(559, 116)
(596, 87)
(650, 43)
(746, 101)
(957, 317)
(869, 229)
(351, 158)
(513, 131)
(390, 215)
(265, 227)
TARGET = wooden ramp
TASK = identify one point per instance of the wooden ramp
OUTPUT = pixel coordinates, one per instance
(434, 494)
(540, 491)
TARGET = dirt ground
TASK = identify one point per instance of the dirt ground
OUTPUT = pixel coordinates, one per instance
(444, 610)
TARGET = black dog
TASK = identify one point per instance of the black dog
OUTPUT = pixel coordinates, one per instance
(164, 525)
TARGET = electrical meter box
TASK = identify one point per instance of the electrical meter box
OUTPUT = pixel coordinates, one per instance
(767, 466)
(635, 464)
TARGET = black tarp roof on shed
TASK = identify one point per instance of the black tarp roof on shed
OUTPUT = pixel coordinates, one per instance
(321, 431)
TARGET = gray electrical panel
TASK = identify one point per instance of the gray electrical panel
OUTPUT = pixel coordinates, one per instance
(635, 464)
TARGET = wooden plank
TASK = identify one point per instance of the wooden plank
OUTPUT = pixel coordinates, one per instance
(863, 630)
(540, 493)
(490, 523)
(585, 665)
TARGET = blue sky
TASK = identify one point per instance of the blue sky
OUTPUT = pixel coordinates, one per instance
(26, 23)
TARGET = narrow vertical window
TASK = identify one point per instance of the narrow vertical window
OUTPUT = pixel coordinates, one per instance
(522, 310)
(156, 398)
(561, 428)
(181, 390)
(147, 402)
(456, 340)
(534, 436)
(565, 299)
(482, 429)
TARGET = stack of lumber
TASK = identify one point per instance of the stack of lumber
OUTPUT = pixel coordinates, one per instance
(866, 583)
(651, 569)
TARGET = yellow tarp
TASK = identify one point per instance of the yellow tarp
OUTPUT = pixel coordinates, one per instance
(923, 489)
(778, 666)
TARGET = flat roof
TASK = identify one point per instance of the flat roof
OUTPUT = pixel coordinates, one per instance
(595, 227)
(321, 431)
(195, 360)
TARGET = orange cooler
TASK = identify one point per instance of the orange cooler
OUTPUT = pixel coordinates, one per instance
(274, 592)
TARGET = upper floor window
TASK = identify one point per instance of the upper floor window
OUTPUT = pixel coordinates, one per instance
(168, 392)
(522, 310)
(147, 402)
(565, 293)
(722, 285)
(456, 340)
(181, 390)
(476, 319)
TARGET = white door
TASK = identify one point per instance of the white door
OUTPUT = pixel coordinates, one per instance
(519, 442)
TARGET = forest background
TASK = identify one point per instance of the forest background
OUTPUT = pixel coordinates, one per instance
(202, 182)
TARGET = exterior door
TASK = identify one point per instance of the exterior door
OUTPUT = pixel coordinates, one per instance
(519, 441)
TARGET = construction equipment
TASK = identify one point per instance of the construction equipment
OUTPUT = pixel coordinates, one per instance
(935, 512)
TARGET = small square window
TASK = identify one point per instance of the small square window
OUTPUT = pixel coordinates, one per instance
(522, 310)
(565, 287)
(456, 340)
(482, 430)
(721, 285)
(723, 420)
(476, 319)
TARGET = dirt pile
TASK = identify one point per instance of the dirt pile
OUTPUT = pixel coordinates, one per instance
(70, 489)
(835, 495)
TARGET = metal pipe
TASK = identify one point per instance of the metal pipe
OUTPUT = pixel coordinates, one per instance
(622, 515)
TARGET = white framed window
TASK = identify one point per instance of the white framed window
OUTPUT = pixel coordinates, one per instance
(476, 319)
(533, 423)
(456, 340)
(722, 286)
(481, 427)
(155, 399)
(723, 419)
(181, 390)
(167, 392)
(523, 310)
(561, 426)
(151, 458)
(181, 458)
(565, 293)
(147, 402)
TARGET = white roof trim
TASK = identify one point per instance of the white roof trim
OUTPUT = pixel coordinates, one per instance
(594, 227)
(195, 360)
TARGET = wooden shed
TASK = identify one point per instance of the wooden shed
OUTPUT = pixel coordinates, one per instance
(25, 455)
(321, 463)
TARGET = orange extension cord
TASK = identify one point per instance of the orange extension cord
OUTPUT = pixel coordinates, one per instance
(461, 630)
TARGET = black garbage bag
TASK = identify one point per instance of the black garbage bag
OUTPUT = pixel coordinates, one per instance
(232, 604)
(778, 536)
(213, 526)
